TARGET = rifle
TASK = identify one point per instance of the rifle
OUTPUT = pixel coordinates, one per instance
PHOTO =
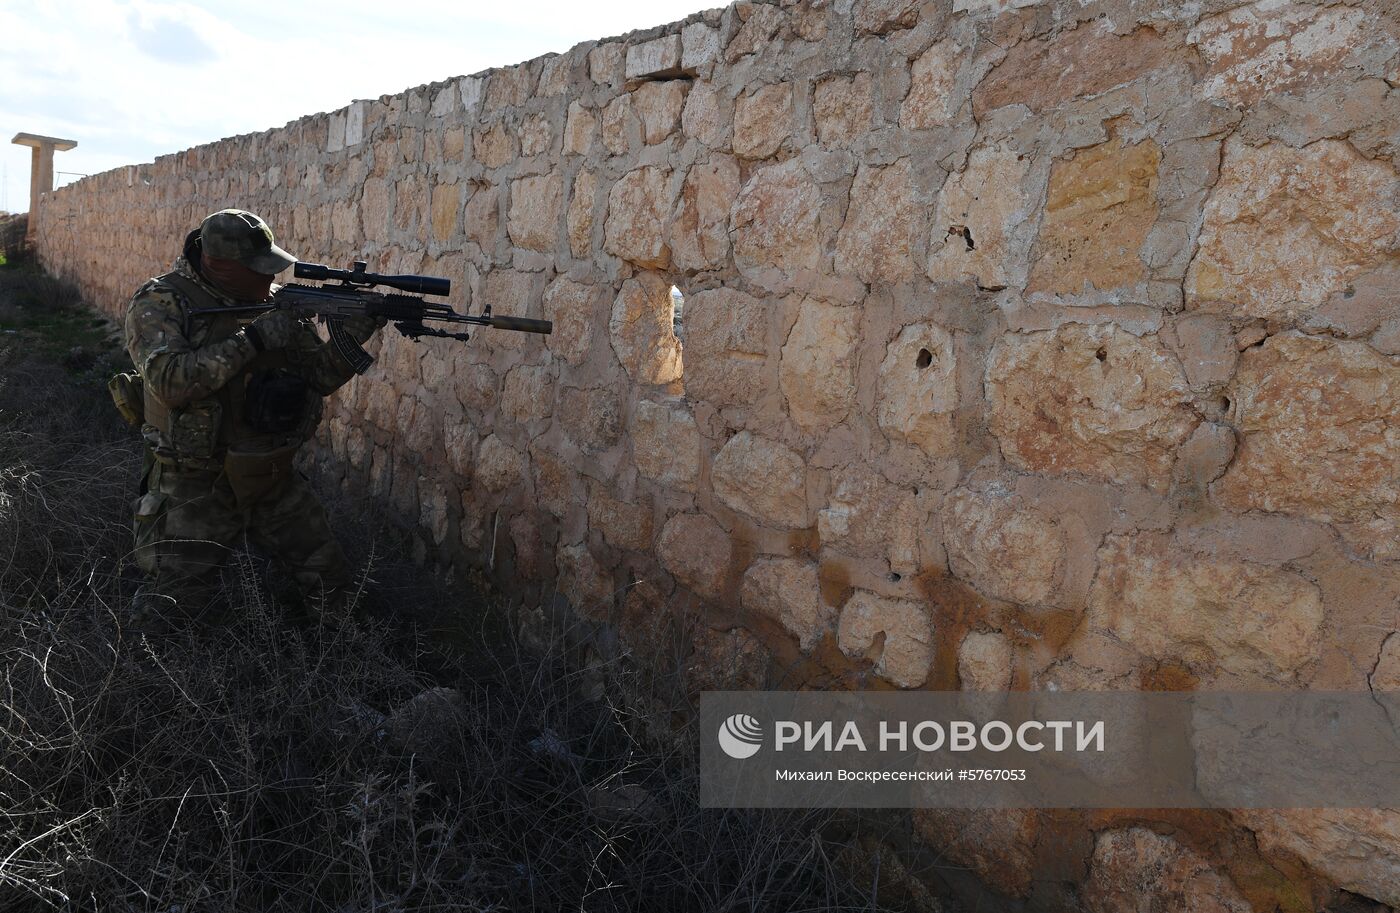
(353, 298)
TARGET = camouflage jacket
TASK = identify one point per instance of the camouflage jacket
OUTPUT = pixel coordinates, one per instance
(197, 372)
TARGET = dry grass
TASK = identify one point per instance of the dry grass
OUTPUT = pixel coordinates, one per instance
(273, 767)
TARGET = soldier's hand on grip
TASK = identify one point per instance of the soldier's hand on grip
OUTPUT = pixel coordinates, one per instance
(363, 327)
(274, 330)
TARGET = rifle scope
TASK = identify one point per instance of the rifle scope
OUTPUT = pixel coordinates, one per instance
(418, 285)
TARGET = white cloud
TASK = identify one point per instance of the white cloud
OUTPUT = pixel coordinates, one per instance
(130, 79)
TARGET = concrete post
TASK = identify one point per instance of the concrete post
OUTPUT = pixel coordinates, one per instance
(40, 170)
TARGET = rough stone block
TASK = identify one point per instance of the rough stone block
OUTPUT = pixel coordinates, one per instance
(763, 479)
(528, 395)
(980, 223)
(584, 581)
(881, 16)
(498, 465)
(579, 127)
(732, 660)
(704, 117)
(984, 662)
(1095, 400)
(1044, 73)
(469, 88)
(556, 483)
(1207, 349)
(726, 346)
(510, 86)
(592, 418)
(931, 101)
(817, 368)
(411, 203)
(355, 124)
(788, 591)
(1318, 419)
(844, 108)
(775, 219)
(1356, 848)
(374, 208)
(1248, 620)
(1269, 47)
(535, 206)
(1127, 860)
(536, 134)
(618, 124)
(481, 216)
(761, 23)
(895, 634)
(658, 57)
(868, 516)
(997, 844)
(700, 231)
(658, 105)
(697, 552)
(575, 308)
(579, 219)
(666, 444)
(877, 240)
(1285, 228)
(622, 524)
(1385, 676)
(700, 46)
(493, 146)
(763, 121)
(605, 63)
(918, 389)
(1003, 547)
(639, 210)
(1101, 205)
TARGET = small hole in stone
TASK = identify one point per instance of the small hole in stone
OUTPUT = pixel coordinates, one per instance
(967, 236)
(1349, 292)
(1101, 354)
(1224, 404)
(925, 358)
(895, 577)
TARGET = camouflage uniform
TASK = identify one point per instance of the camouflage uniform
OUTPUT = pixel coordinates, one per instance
(215, 472)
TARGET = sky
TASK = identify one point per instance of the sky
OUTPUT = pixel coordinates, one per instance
(133, 79)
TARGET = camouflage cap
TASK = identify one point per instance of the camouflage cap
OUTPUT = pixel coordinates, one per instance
(234, 234)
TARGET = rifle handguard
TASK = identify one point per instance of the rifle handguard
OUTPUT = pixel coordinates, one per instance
(524, 324)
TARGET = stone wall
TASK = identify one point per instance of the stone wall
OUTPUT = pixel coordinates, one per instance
(1026, 343)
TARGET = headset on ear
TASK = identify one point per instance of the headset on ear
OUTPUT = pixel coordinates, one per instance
(194, 247)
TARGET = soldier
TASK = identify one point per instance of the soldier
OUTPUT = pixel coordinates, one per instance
(227, 402)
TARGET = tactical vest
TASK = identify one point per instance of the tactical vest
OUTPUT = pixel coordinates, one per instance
(203, 434)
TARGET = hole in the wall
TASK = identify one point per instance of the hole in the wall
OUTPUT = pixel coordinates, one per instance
(677, 308)
(896, 576)
(924, 359)
(1224, 404)
(962, 231)
(1101, 354)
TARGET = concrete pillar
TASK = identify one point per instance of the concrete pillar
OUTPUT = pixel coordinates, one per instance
(40, 169)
